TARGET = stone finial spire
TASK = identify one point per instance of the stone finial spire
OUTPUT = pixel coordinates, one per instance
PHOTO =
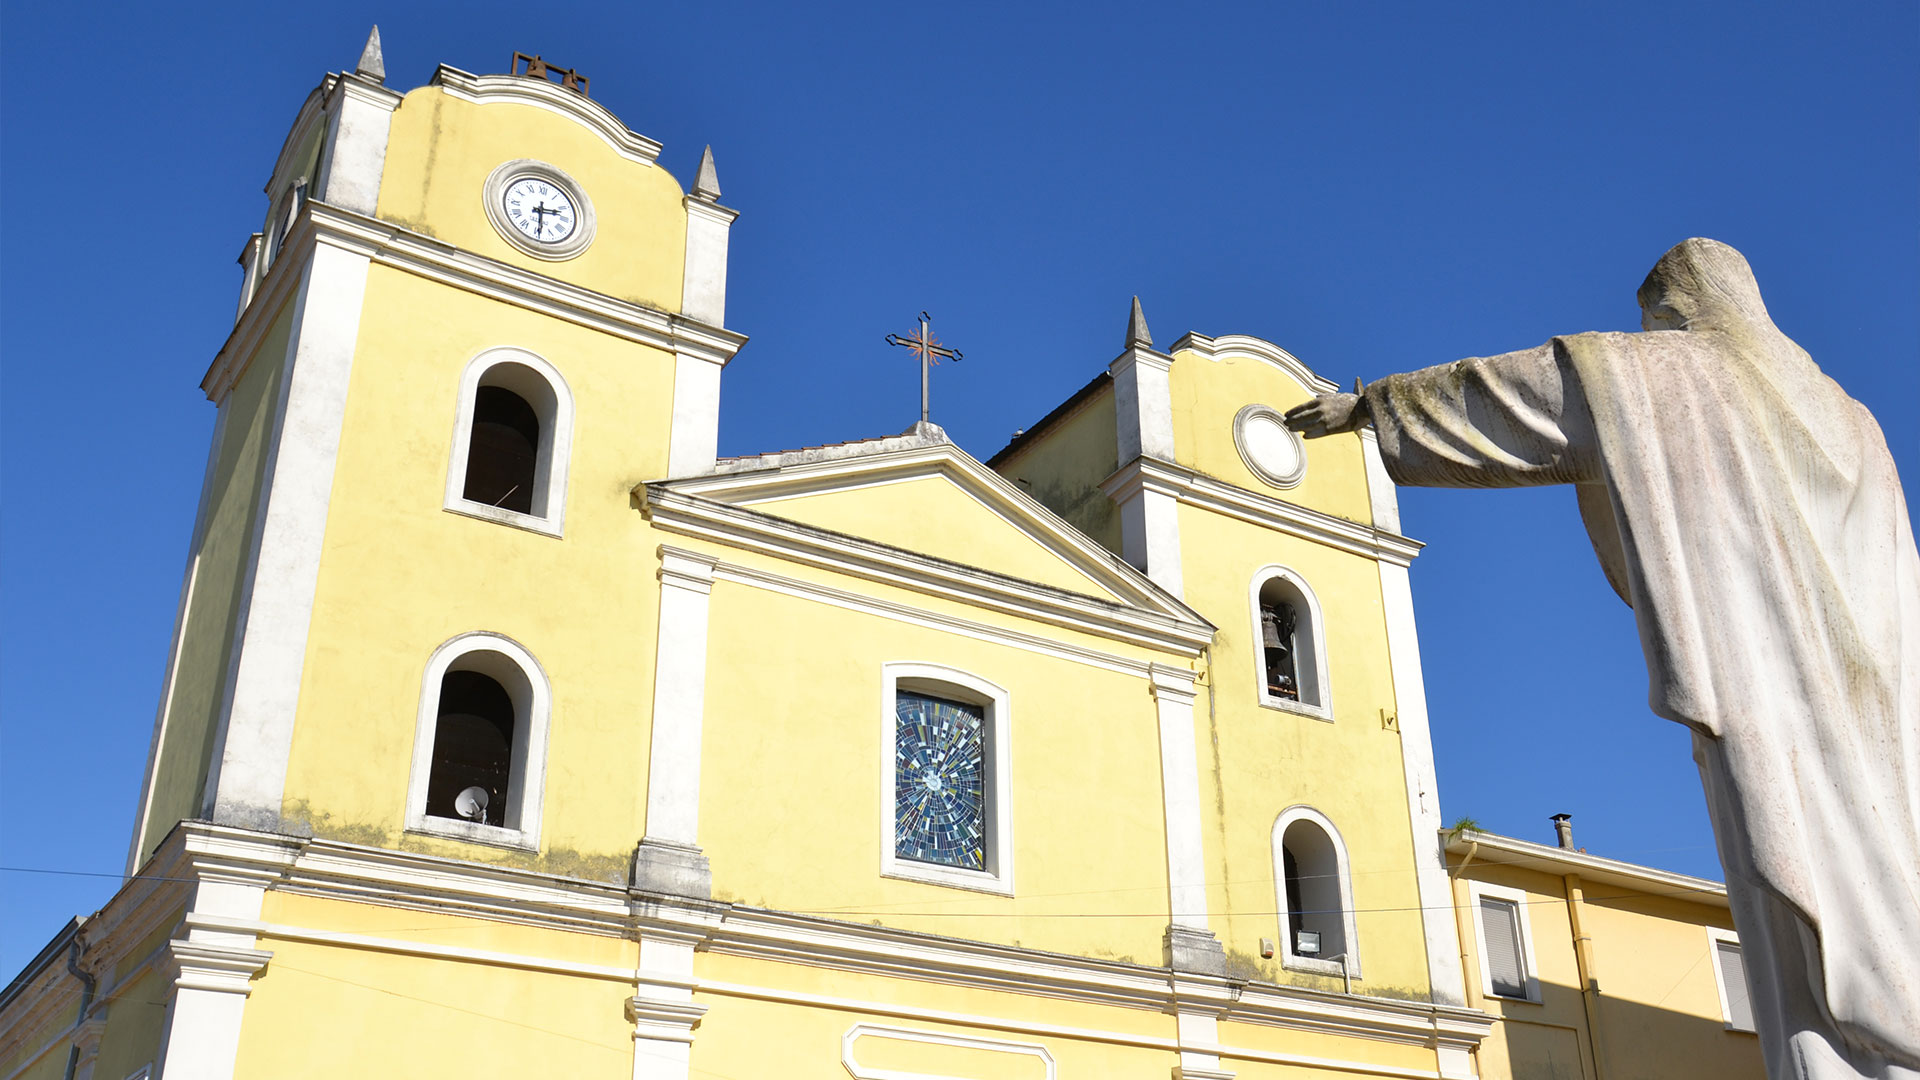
(706, 184)
(1137, 328)
(372, 65)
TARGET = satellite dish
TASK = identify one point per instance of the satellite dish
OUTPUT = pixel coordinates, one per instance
(471, 804)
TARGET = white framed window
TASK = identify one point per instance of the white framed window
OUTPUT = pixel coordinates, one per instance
(1730, 976)
(1313, 890)
(512, 439)
(1505, 938)
(946, 790)
(1289, 644)
(480, 743)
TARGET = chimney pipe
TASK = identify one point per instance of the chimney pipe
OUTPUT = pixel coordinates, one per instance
(1563, 828)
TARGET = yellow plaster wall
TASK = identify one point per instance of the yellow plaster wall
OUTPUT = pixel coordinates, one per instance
(1315, 1044)
(741, 1036)
(321, 1011)
(135, 1021)
(1206, 396)
(1257, 761)
(399, 575)
(232, 500)
(1660, 1003)
(932, 516)
(791, 779)
(1062, 469)
(442, 148)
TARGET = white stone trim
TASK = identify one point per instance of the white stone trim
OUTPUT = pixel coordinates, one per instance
(703, 291)
(1236, 346)
(670, 509)
(212, 970)
(693, 443)
(494, 189)
(679, 697)
(533, 708)
(1196, 489)
(1383, 498)
(1315, 640)
(945, 681)
(552, 400)
(1143, 404)
(858, 1071)
(435, 260)
(354, 156)
(1715, 937)
(1289, 959)
(417, 881)
(1257, 411)
(1173, 695)
(1199, 1033)
(556, 99)
(1445, 975)
(1476, 890)
(247, 780)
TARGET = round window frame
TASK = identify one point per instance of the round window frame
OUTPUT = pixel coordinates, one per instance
(493, 193)
(1267, 476)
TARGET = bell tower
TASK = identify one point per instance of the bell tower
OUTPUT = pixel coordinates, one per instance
(475, 316)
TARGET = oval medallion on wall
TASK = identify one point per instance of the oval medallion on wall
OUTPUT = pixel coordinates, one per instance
(1274, 453)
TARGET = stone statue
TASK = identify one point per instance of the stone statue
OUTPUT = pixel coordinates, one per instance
(1749, 512)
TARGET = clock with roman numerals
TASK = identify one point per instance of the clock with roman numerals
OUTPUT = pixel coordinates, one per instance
(539, 209)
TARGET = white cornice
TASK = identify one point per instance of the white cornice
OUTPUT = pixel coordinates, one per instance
(390, 245)
(1043, 644)
(1228, 346)
(1488, 848)
(994, 492)
(733, 526)
(542, 94)
(413, 881)
(712, 211)
(1199, 490)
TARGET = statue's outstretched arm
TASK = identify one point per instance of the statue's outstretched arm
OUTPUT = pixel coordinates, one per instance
(1331, 414)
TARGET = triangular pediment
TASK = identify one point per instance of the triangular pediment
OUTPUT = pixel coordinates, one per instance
(934, 500)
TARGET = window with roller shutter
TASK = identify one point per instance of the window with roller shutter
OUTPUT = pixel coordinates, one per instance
(1730, 968)
(1500, 929)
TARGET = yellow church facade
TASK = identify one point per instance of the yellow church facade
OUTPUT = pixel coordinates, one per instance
(509, 730)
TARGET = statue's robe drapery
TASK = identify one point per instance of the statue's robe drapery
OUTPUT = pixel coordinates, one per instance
(1750, 513)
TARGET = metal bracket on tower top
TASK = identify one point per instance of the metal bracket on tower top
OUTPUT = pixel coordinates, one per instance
(540, 69)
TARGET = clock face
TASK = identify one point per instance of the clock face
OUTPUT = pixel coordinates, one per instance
(939, 781)
(539, 210)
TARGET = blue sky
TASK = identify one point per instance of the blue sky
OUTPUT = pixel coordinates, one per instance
(1375, 187)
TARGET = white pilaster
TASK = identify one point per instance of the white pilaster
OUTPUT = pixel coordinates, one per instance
(1143, 403)
(694, 441)
(212, 973)
(1143, 423)
(249, 770)
(1416, 750)
(703, 293)
(360, 117)
(669, 858)
(1199, 1032)
(1149, 526)
(662, 1009)
(1190, 944)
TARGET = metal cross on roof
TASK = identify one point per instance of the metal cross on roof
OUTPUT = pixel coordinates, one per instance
(930, 353)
